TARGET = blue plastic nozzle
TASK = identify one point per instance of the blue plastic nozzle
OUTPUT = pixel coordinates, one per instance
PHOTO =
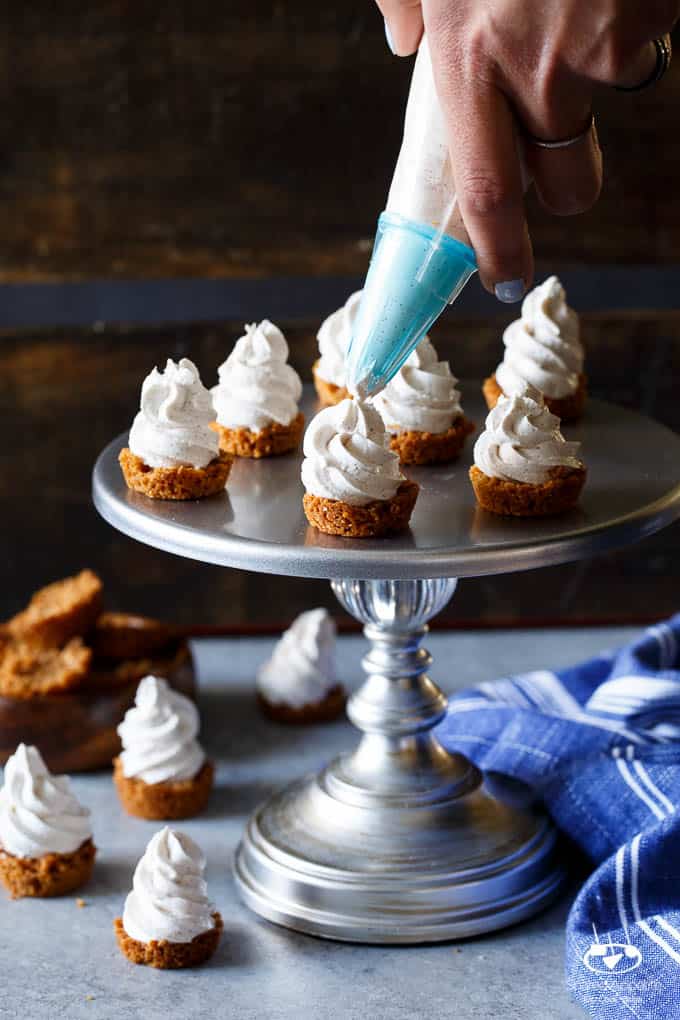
(415, 272)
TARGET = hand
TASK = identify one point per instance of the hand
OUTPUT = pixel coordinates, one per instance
(508, 67)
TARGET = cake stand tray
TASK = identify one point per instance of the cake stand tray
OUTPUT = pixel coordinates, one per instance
(398, 840)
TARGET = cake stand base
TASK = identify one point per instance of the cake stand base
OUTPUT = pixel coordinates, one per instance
(398, 841)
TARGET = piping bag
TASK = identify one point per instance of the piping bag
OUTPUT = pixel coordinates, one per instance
(421, 258)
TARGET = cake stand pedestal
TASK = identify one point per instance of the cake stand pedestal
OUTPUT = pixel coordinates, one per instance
(399, 841)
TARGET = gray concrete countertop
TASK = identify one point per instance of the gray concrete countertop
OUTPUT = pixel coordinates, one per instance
(59, 960)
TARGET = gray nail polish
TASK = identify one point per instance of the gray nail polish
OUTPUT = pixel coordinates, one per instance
(388, 36)
(509, 291)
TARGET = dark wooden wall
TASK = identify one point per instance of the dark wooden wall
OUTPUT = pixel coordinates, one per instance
(256, 139)
(197, 137)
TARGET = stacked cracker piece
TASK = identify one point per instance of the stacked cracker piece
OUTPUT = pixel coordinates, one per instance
(62, 642)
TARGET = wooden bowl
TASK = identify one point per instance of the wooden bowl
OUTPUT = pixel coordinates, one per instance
(76, 732)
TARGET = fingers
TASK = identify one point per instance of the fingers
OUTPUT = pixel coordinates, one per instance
(486, 166)
(639, 68)
(567, 181)
(403, 25)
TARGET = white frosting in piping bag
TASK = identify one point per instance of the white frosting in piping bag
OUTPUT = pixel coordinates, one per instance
(522, 441)
(257, 386)
(169, 894)
(334, 337)
(347, 455)
(38, 812)
(159, 735)
(543, 347)
(301, 670)
(172, 427)
(422, 396)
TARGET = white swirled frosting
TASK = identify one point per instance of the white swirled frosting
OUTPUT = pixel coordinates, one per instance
(347, 455)
(422, 396)
(257, 386)
(543, 347)
(334, 337)
(38, 812)
(159, 735)
(301, 670)
(172, 427)
(522, 441)
(169, 897)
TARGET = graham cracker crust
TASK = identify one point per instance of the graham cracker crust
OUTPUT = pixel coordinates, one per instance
(170, 955)
(60, 611)
(271, 441)
(331, 707)
(29, 670)
(49, 875)
(432, 447)
(183, 798)
(327, 392)
(177, 482)
(521, 499)
(376, 519)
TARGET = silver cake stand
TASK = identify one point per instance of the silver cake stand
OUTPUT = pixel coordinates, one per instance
(398, 840)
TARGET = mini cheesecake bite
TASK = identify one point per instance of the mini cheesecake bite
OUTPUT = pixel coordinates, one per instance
(168, 921)
(421, 410)
(353, 484)
(256, 398)
(523, 466)
(298, 683)
(543, 349)
(46, 846)
(162, 771)
(172, 451)
(334, 337)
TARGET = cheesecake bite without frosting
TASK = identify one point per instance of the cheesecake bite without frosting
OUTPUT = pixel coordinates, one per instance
(523, 466)
(168, 921)
(46, 846)
(162, 771)
(334, 338)
(298, 683)
(351, 476)
(172, 451)
(256, 399)
(543, 349)
(421, 409)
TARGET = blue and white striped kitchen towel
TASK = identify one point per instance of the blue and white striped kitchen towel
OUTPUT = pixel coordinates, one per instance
(600, 744)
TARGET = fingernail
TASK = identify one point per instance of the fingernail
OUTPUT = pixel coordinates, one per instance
(388, 36)
(509, 291)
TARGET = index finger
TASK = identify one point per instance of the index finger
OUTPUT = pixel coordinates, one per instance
(486, 168)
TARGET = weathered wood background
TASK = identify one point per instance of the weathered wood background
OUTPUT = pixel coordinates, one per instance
(198, 137)
(256, 139)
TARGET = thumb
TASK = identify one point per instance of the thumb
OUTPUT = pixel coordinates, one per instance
(403, 25)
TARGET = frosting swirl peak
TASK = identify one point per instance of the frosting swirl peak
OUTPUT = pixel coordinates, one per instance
(543, 347)
(172, 427)
(159, 735)
(422, 396)
(38, 812)
(347, 455)
(522, 441)
(257, 386)
(301, 670)
(169, 894)
(334, 337)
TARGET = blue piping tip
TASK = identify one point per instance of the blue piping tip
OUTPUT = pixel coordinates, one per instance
(414, 273)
